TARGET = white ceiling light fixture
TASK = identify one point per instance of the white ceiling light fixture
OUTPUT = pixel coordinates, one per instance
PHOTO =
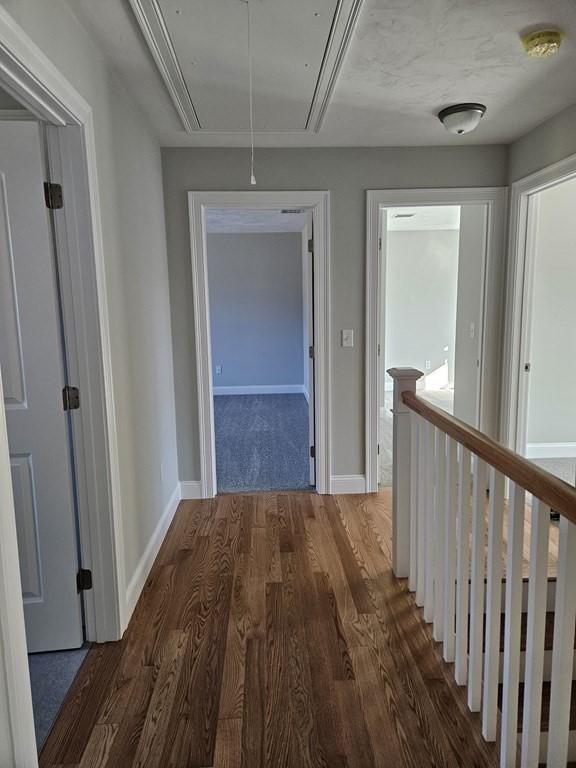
(461, 118)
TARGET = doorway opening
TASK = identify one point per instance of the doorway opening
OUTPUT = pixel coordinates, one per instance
(260, 285)
(546, 417)
(34, 370)
(314, 315)
(434, 273)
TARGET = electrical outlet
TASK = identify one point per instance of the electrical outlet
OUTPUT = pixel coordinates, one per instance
(218, 369)
(428, 364)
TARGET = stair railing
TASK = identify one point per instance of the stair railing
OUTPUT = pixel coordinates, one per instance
(459, 502)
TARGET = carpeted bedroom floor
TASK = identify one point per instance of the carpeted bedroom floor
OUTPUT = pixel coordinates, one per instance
(261, 442)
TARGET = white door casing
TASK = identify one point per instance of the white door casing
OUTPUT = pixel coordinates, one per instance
(32, 362)
(308, 300)
(319, 203)
(494, 198)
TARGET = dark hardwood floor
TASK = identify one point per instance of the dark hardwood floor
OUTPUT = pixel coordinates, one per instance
(271, 632)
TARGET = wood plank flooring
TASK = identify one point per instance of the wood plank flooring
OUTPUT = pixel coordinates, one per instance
(270, 634)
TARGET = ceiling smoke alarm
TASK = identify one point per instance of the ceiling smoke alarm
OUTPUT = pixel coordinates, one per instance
(542, 43)
(461, 118)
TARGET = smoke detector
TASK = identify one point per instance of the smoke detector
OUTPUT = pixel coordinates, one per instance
(542, 43)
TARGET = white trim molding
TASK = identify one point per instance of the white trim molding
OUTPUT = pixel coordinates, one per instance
(319, 204)
(551, 450)
(518, 294)
(341, 484)
(377, 200)
(149, 17)
(262, 389)
(190, 489)
(138, 580)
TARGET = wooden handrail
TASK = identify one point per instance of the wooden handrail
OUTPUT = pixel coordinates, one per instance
(549, 489)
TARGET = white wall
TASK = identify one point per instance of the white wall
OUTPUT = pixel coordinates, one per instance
(130, 181)
(420, 299)
(552, 396)
(256, 308)
(548, 143)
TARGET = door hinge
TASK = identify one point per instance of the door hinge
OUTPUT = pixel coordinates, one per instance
(312, 451)
(378, 449)
(379, 243)
(83, 580)
(71, 398)
(378, 348)
(311, 245)
(311, 352)
(53, 195)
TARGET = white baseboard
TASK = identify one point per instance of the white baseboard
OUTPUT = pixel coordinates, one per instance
(347, 484)
(146, 562)
(551, 450)
(262, 389)
(190, 489)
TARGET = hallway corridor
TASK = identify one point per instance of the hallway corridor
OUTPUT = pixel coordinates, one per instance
(271, 632)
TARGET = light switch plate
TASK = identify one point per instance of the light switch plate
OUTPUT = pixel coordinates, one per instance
(347, 338)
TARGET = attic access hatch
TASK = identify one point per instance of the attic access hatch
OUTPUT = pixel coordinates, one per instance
(200, 49)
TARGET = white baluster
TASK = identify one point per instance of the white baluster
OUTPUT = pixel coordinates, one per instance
(535, 633)
(563, 651)
(514, 560)
(422, 509)
(463, 567)
(414, 470)
(450, 548)
(477, 585)
(439, 523)
(493, 606)
(430, 524)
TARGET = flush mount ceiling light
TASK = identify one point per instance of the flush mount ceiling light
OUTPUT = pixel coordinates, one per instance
(461, 118)
(541, 43)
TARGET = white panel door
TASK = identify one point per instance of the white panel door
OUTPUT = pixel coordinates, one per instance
(308, 303)
(32, 366)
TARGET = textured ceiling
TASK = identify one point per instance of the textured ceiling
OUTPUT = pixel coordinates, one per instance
(406, 60)
(237, 221)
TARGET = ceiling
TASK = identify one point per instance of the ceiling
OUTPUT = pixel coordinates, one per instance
(422, 218)
(335, 72)
(251, 221)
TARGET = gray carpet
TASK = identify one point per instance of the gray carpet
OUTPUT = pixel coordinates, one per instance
(51, 675)
(261, 442)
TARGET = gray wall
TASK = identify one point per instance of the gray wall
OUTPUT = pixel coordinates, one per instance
(420, 306)
(546, 144)
(347, 173)
(255, 284)
(131, 200)
(552, 399)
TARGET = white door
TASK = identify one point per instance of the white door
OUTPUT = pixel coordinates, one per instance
(32, 367)
(308, 283)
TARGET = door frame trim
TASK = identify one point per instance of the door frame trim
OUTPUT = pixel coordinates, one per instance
(319, 202)
(518, 289)
(495, 199)
(28, 75)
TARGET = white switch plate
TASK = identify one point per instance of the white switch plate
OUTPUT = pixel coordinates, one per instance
(218, 369)
(347, 338)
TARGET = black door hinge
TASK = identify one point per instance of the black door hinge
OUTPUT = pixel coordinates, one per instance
(378, 449)
(312, 451)
(311, 352)
(71, 398)
(311, 245)
(53, 195)
(83, 580)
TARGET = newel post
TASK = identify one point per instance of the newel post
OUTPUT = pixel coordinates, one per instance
(404, 380)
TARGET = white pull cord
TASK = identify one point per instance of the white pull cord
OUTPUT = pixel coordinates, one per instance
(252, 177)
